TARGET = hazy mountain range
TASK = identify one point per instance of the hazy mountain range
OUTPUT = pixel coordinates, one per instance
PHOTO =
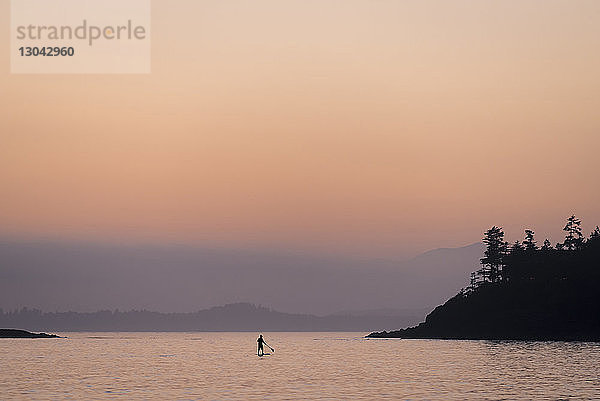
(231, 317)
(69, 276)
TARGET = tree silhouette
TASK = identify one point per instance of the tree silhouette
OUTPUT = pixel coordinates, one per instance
(473, 282)
(505, 265)
(595, 235)
(547, 245)
(516, 248)
(494, 255)
(573, 237)
(529, 243)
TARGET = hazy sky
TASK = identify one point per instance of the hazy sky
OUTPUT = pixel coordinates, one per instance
(378, 128)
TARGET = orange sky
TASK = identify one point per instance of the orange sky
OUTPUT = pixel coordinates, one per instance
(378, 128)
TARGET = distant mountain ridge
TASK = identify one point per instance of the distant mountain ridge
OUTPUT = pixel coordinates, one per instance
(88, 277)
(232, 317)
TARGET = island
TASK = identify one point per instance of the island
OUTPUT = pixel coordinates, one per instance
(13, 333)
(523, 292)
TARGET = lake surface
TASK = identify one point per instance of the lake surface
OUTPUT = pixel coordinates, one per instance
(182, 366)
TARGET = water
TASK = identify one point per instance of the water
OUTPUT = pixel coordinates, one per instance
(182, 366)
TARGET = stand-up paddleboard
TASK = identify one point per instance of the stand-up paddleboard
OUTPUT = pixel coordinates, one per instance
(267, 353)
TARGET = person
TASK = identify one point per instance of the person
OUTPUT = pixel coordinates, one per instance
(261, 342)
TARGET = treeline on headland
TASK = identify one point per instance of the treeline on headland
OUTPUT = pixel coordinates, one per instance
(524, 291)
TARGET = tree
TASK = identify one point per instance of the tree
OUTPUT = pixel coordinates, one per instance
(494, 255)
(516, 248)
(547, 245)
(573, 236)
(594, 238)
(529, 243)
(473, 282)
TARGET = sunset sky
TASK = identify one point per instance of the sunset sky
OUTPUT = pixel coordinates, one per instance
(369, 128)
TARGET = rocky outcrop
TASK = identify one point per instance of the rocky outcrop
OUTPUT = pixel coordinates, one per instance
(12, 333)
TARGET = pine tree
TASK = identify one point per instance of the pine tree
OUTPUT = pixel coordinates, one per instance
(494, 255)
(529, 243)
(473, 283)
(516, 247)
(547, 245)
(573, 236)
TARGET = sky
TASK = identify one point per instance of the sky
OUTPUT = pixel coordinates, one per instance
(366, 128)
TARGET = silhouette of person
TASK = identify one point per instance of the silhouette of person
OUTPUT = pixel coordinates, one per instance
(261, 342)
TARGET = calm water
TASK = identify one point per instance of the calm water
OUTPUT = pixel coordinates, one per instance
(210, 366)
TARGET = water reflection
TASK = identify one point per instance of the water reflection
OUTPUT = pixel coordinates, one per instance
(306, 366)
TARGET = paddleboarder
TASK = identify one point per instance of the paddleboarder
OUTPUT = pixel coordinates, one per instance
(261, 342)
